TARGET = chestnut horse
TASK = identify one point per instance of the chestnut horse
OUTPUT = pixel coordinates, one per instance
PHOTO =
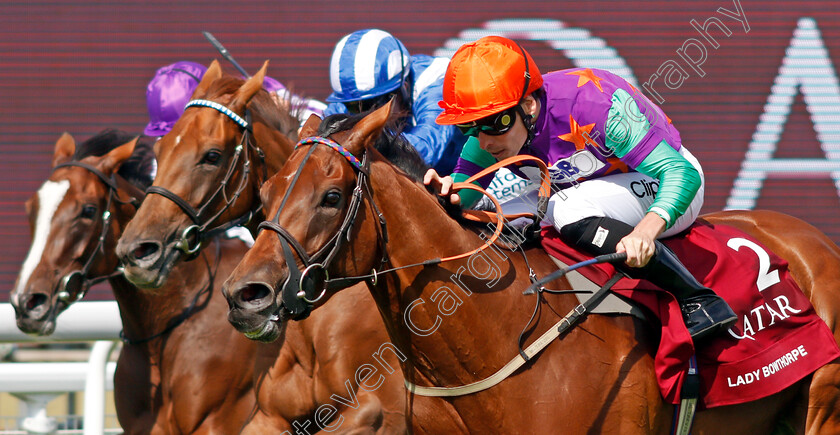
(181, 370)
(315, 360)
(597, 379)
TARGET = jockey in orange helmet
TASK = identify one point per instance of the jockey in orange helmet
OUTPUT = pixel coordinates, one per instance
(620, 174)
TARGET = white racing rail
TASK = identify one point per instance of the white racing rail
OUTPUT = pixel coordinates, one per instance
(36, 384)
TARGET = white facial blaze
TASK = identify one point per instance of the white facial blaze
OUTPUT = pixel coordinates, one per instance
(49, 197)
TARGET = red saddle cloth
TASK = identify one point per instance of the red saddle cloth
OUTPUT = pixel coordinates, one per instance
(777, 340)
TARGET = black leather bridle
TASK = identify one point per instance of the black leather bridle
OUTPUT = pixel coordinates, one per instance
(77, 282)
(194, 235)
(302, 289)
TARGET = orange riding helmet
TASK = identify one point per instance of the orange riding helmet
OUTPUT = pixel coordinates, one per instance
(485, 77)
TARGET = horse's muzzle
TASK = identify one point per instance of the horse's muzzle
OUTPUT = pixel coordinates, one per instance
(147, 263)
(35, 314)
(253, 310)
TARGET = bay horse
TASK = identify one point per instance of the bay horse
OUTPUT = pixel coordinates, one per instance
(180, 370)
(306, 368)
(209, 172)
(599, 378)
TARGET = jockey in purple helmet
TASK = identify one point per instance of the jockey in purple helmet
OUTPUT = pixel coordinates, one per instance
(167, 94)
(370, 66)
(173, 85)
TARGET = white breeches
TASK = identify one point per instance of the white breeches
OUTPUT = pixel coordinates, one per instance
(625, 197)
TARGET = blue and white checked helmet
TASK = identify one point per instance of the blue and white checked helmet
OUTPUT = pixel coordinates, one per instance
(366, 64)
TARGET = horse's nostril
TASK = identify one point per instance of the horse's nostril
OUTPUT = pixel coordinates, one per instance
(145, 249)
(35, 301)
(253, 292)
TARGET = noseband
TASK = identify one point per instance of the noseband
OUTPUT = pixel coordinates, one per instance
(192, 237)
(78, 281)
(304, 288)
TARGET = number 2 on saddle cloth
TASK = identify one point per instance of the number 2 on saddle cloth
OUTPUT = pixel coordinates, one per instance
(777, 340)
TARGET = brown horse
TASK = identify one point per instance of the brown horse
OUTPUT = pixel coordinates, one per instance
(310, 366)
(181, 370)
(597, 379)
(209, 172)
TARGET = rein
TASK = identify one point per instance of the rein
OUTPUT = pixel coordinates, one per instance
(566, 323)
(496, 217)
(194, 235)
(298, 291)
(78, 281)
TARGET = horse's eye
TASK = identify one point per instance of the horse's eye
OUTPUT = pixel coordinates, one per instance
(211, 158)
(88, 211)
(331, 199)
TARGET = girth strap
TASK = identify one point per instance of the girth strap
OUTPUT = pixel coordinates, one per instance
(535, 348)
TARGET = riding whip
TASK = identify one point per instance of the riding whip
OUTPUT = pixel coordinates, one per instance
(223, 51)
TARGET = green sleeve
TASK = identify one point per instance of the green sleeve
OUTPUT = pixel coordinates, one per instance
(626, 126)
(679, 181)
(472, 153)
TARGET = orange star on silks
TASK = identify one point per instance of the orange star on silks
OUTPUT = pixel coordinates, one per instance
(616, 165)
(635, 91)
(585, 76)
(579, 135)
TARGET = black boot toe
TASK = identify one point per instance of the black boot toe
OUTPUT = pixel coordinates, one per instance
(705, 315)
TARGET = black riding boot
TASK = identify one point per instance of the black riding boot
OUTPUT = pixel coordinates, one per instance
(704, 312)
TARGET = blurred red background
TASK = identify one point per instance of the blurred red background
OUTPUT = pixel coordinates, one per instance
(83, 66)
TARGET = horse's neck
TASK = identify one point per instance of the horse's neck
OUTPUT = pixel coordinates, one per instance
(147, 313)
(435, 314)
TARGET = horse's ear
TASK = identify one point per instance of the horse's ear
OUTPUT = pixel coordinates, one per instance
(64, 149)
(248, 90)
(310, 128)
(213, 73)
(112, 161)
(366, 131)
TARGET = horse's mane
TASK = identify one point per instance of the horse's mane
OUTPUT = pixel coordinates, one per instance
(261, 105)
(391, 144)
(137, 169)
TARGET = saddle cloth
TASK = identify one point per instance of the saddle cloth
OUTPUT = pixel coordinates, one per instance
(777, 340)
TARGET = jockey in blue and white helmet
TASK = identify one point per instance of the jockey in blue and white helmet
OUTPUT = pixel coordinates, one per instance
(369, 67)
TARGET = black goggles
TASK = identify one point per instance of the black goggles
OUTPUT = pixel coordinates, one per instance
(366, 105)
(494, 125)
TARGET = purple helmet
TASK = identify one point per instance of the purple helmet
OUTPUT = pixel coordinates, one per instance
(272, 85)
(168, 93)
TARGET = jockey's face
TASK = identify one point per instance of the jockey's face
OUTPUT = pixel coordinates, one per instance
(510, 143)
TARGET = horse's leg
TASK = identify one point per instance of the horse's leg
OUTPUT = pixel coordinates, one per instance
(366, 418)
(265, 424)
(757, 417)
(824, 400)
